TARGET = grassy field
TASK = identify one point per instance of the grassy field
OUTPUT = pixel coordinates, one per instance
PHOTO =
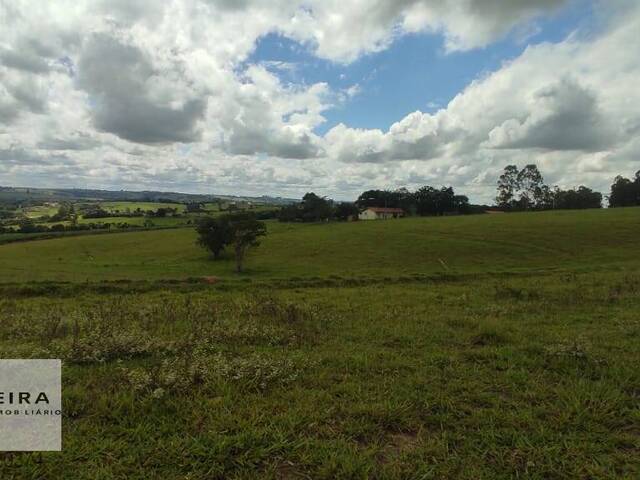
(144, 206)
(140, 221)
(477, 244)
(487, 347)
(40, 211)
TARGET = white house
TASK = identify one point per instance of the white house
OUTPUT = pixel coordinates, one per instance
(380, 213)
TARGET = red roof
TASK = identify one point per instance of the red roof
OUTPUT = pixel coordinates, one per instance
(385, 210)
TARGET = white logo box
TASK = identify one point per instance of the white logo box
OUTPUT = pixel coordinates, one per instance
(30, 405)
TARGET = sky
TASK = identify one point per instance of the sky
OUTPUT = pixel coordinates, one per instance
(283, 97)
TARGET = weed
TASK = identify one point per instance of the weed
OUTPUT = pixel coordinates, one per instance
(179, 375)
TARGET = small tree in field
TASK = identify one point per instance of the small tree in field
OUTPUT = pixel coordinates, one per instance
(214, 234)
(241, 230)
(245, 232)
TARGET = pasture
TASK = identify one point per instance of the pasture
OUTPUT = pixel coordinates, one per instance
(123, 207)
(524, 242)
(476, 347)
(39, 211)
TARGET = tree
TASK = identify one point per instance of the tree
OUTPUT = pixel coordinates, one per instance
(289, 213)
(589, 198)
(445, 200)
(27, 225)
(380, 198)
(214, 234)
(163, 212)
(625, 192)
(245, 230)
(315, 208)
(547, 198)
(531, 187)
(95, 211)
(405, 200)
(345, 210)
(523, 189)
(312, 209)
(65, 212)
(507, 187)
(461, 204)
(431, 201)
(241, 230)
(582, 197)
(194, 207)
(425, 200)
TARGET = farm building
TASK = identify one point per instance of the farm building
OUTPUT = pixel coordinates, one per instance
(380, 213)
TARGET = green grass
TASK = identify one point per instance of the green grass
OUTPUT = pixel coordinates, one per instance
(514, 353)
(144, 206)
(526, 242)
(212, 207)
(462, 380)
(157, 221)
(39, 211)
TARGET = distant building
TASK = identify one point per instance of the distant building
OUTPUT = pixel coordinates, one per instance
(380, 213)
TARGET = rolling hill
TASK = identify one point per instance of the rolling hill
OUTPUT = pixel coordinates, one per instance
(523, 242)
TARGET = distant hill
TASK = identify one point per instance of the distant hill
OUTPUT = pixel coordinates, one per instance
(28, 195)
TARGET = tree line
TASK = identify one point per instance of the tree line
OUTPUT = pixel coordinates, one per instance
(518, 190)
(524, 189)
(98, 212)
(28, 225)
(314, 208)
(424, 201)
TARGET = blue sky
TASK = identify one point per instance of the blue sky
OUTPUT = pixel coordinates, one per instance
(415, 73)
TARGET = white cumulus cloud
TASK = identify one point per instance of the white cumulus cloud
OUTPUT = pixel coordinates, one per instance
(143, 94)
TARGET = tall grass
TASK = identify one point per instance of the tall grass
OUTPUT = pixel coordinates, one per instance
(499, 377)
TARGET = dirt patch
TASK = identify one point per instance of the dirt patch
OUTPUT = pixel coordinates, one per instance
(398, 444)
